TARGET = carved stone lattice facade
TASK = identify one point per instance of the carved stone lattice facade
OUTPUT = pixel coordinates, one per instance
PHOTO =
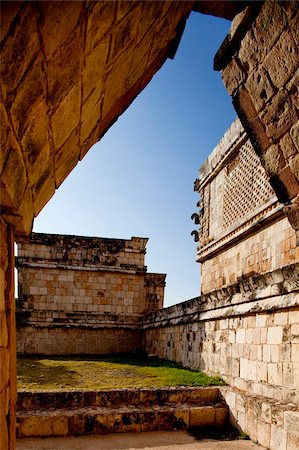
(243, 229)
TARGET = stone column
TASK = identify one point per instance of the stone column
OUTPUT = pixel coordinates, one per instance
(8, 384)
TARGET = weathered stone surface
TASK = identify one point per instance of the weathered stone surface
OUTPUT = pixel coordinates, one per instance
(95, 283)
(284, 55)
(36, 426)
(58, 22)
(14, 169)
(30, 93)
(20, 47)
(202, 416)
(269, 57)
(67, 116)
(60, 426)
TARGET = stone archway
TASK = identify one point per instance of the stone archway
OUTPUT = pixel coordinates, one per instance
(68, 71)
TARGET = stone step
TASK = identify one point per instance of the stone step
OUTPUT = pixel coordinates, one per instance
(78, 421)
(113, 397)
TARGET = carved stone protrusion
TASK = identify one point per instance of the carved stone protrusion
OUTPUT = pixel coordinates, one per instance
(196, 185)
(195, 234)
(195, 218)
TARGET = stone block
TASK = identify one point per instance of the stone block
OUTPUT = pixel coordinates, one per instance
(268, 27)
(165, 418)
(91, 114)
(264, 434)
(289, 181)
(64, 69)
(57, 23)
(5, 368)
(262, 371)
(240, 336)
(181, 418)
(100, 22)
(221, 416)
(35, 141)
(3, 422)
(275, 335)
(294, 132)
(67, 116)
(292, 441)
(295, 353)
(76, 425)
(149, 420)
(95, 68)
(60, 426)
(278, 439)
(44, 189)
(260, 88)
(288, 146)
(66, 158)
(291, 422)
(3, 330)
(101, 423)
(14, 169)
(279, 116)
(131, 422)
(30, 93)
(20, 48)
(36, 426)
(275, 373)
(202, 416)
(273, 160)
(233, 75)
(282, 60)
(4, 136)
(294, 165)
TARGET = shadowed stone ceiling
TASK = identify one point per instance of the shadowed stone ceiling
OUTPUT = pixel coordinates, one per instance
(68, 70)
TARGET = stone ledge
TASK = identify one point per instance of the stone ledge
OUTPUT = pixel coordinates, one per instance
(282, 282)
(123, 410)
(275, 303)
(113, 397)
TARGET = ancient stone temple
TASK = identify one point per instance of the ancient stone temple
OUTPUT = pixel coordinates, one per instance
(83, 295)
(68, 71)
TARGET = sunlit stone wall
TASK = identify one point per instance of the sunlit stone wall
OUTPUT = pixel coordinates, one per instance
(83, 295)
(243, 230)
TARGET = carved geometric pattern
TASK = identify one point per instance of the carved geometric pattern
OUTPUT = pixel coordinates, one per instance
(246, 186)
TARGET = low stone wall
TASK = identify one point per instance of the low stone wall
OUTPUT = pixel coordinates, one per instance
(247, 333)
(77, 340)
(273, 425)
(117, 411)
(83, 294)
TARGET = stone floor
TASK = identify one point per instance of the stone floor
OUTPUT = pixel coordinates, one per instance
(151, 440)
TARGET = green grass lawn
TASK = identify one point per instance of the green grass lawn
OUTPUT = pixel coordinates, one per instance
(63, 373)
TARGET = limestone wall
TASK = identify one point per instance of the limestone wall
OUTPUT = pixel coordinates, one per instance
(243, 230)
(259, 61)
(248, 334)
(83, 295)
(8, 382)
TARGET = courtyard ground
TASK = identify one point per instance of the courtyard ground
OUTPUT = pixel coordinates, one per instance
(63, 373)
(151, 440)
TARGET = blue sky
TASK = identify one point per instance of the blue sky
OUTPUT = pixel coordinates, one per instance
(138, 180)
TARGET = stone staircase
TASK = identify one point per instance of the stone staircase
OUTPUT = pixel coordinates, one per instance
(117, 411)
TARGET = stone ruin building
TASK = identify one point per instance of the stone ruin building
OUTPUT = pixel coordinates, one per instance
(68, 70)
(83, 295)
